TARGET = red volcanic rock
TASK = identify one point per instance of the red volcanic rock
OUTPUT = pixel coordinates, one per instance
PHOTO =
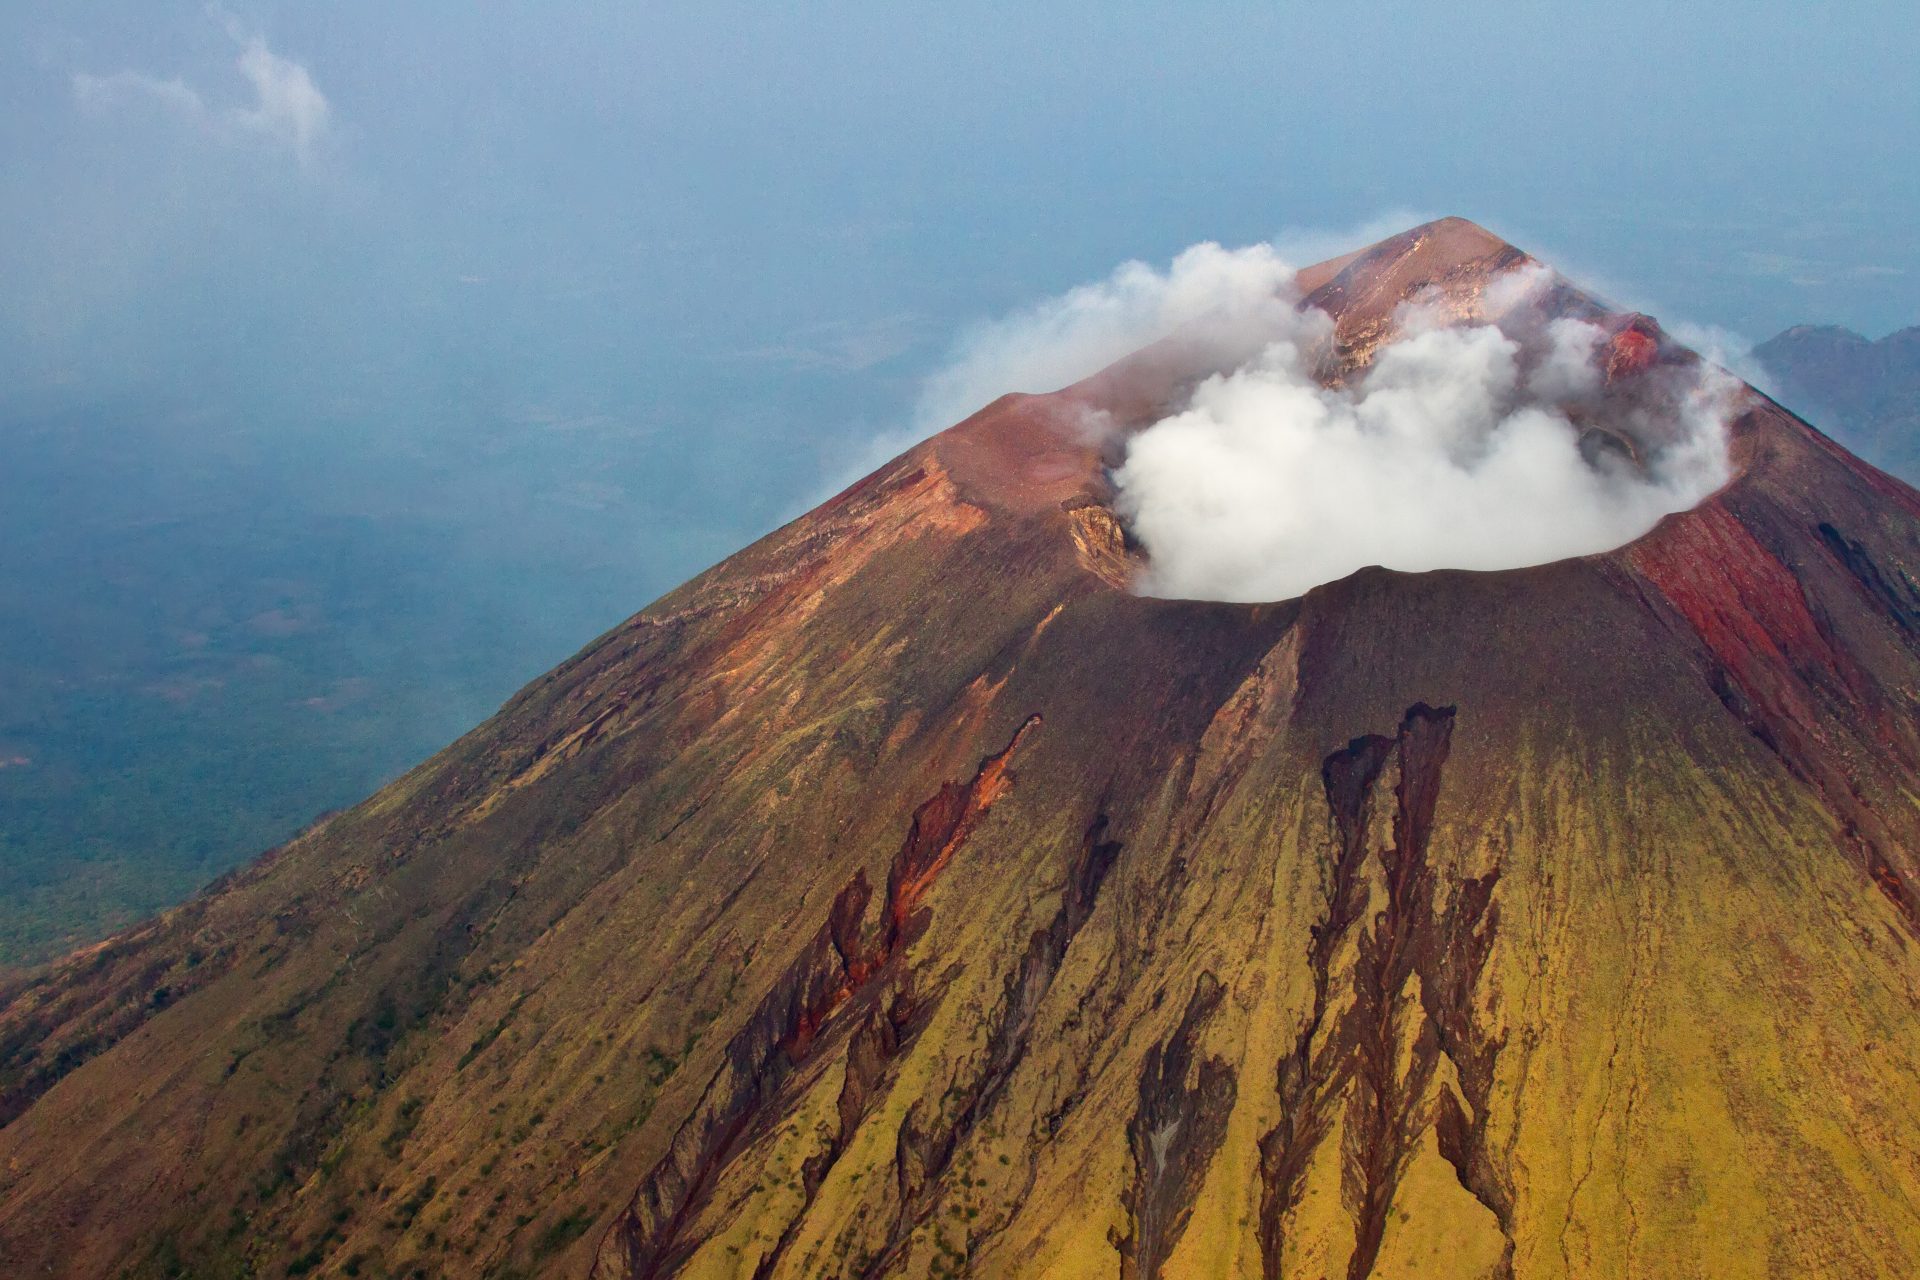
(1632, 347)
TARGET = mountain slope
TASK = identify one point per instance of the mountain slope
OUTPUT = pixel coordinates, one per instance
(904, 897)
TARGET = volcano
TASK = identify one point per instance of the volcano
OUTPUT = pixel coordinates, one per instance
(905, 896)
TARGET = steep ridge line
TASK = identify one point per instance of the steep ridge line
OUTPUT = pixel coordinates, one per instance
(1173, 1134)
(1779, 671)
(1373, 1064)
(830, 972)
(926, 1144)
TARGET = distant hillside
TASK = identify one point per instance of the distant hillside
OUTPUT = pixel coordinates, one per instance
(1864, 393)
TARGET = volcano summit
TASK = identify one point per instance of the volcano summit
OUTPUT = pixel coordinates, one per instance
(911, 895)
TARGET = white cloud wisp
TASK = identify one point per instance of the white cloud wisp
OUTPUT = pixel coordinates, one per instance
(1464, 446)
(287, 108)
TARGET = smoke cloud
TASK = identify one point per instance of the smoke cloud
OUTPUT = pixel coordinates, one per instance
(1231, 296)
(1449, 453)
(1234, 296)
(1461, 446)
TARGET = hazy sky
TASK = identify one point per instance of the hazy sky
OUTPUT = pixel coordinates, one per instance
(610, 287)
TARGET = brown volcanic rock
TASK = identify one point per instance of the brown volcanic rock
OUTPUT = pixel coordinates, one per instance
(902, 897)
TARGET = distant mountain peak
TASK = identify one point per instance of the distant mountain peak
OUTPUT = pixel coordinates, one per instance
(1866, 392)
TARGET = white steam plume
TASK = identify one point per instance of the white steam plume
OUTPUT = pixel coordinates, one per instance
(1229, 296)
(1459, 447)
(1455, 451)
(1232, 296)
